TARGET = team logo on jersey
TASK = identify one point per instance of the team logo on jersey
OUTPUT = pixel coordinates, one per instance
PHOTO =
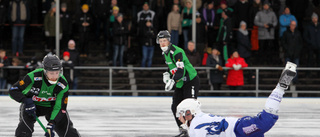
(21, 82)
(61, 85)
(173, 71)
(39, 99)
(214, 128)
(37, 78)
(12, 88)
(66, 100)
(250, 129)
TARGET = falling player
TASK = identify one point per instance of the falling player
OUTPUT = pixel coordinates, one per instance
(200, 124)
(181, 73)
(44, 92)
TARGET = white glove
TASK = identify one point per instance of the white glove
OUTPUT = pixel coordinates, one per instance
(166, 77)
(234, 66)
(239, 66)
(60, 36)
(169, 85)
(47, 33)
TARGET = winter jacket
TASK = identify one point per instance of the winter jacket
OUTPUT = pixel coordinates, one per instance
(84, 17)
(235, 77)
(100, 9)
(194, 58)
(241, 11)
(292, 44)
(74, 57)
(148, 36)
(174, 21)
(225, 31)
(186, 18)
(66, 22)
(50, 24)
(16, 17)
(312, 36)
(266, 17)
(244, 45)
(120, 33)
(216, 76)
(284, 21)
(208, 16)
(67, 68)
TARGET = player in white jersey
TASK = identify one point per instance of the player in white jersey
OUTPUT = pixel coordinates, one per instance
(201, 124)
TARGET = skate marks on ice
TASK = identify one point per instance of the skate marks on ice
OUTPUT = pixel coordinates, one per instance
(151, 116)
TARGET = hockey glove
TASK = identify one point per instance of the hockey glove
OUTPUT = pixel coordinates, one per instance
(169, 85)
(29, 107)
(166, 77)
(50, 128)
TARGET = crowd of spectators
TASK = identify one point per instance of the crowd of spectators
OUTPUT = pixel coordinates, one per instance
(262, 31)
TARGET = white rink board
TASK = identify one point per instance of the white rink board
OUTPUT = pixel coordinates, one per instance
(96, 116)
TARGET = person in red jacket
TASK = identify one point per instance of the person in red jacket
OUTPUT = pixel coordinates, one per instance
(235, 75)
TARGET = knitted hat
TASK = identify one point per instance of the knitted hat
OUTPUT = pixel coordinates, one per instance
(314, 15)
(85, 6)
(66, 53)
(223, 2)
(243, 23)
(71, 42)
(115, 8)
(53, 5)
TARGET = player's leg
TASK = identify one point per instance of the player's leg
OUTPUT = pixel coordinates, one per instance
(191, 88)
(26, 124)
(176, 99)
(65, 127)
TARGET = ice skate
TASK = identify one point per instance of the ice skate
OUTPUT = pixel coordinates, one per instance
(288, 73)
(183, 133)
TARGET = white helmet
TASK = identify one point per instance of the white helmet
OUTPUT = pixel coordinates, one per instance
(191, 104)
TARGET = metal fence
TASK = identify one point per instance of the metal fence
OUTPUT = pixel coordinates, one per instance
(136, 92)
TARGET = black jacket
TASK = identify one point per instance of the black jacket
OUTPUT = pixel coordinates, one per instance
(216, 76)
(292, 43)
(244, 45)
(312, 35)
(147, 36)
(66, 22)
(101, 8)
(120, 33)
(84, 17)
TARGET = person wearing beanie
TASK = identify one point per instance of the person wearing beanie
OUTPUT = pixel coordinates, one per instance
(312, 37)
(74, 57)
(66, 24)
(84, 21)
(120, 32)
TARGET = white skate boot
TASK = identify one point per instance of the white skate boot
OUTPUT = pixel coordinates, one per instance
(288, 73)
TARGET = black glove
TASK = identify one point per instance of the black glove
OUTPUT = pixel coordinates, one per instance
(30, 108)
(50, 128)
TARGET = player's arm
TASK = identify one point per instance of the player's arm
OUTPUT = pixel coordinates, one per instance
(59, 109)
(20, 90)
(180, 67)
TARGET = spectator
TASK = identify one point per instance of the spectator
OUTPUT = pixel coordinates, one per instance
(201, 35)
(50, 28)
(120, 39)
(244, 45)
(112, 19)
(235, 75)
(3, 72)
(101, 12)
(216, 75)
(292, 44)
(275, 6)
(147, 39)
(74, 57)
(193, 56)
(223, 7)
(84, 23)
(256, 6)
(174, 24)
(19, 17)
(66, 24)
(266, 20)
(142, 15)
(67, 66)
(312, 38)
(3, 16)
(72, 6)
(13, 74)
(186, 22)
(285, 20)
(241, 10)
(225, 34)
(33, 64)
(208, 14)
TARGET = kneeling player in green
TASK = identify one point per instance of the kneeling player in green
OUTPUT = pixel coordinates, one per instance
(44, 92)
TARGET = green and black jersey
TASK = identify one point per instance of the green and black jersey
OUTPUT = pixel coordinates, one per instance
(179, 65)
(50, 95)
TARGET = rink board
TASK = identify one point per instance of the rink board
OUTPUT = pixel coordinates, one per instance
(96, 116)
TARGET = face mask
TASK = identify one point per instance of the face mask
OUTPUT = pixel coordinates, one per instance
(164, 49)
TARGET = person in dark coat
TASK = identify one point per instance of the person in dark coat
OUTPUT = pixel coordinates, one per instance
(292, 44)
(216, 75)
(193, 55)
(243, 41)
(208, 14)
(201, 35)
(147, 39)
(84, 21)
(74, 57)
(312, 38)
(241, 12)
(66, 24)
(120, 39)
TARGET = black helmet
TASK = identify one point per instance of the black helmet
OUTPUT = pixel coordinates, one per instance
(163, 34)
(51, 63)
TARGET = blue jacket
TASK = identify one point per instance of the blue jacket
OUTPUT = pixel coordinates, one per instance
(285, 20)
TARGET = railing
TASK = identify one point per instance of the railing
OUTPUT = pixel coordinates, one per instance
(136, 92)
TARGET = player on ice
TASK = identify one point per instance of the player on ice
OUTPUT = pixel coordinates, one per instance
(44, 92)
(181, 73)
(201, 124)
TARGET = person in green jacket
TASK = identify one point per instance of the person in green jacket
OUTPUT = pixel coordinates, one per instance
(180, 73)
(44, 92)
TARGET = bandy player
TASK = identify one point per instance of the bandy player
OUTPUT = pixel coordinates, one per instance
(201, 124)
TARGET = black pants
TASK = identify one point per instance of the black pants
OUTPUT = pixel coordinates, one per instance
(188, 90)
(26, 125)
(83, 38)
